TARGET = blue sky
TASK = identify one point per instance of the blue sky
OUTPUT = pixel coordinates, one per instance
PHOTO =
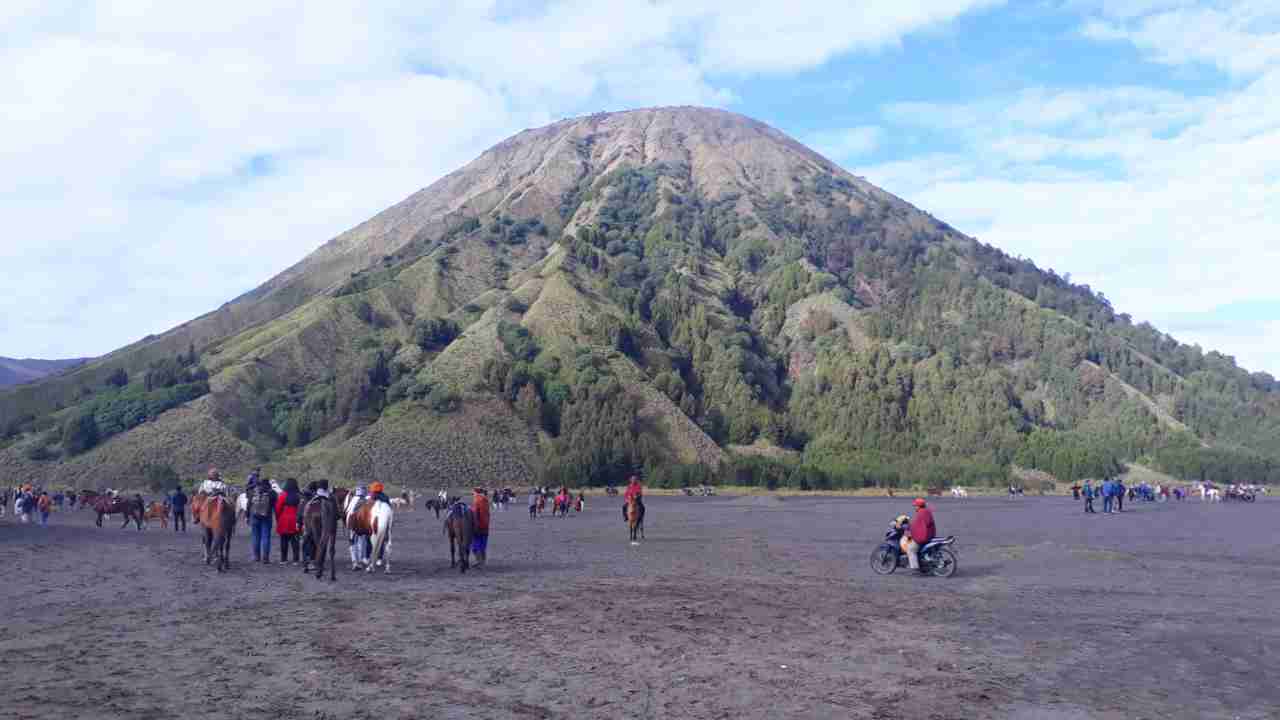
(165, 158)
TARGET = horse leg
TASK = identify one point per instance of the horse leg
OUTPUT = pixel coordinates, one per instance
(333, 558)
(207, 543)
(375, 543)
(452, 560)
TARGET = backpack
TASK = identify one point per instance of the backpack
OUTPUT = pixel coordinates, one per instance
(261, 505)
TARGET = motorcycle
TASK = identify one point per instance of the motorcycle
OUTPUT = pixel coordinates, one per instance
(936, 557)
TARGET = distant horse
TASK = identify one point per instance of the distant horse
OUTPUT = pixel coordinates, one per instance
(218, 518)
(371, 519)
(320, 525)
(87, 498)
(611, 490)
(158, 511)
(934, 492)
(435, 504)
(959, 492)
(460, 528)
(130, 508)
(242, 508)
(635, 521)
(340, 496)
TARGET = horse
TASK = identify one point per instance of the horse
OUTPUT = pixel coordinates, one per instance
(434, 504)
(242, 508)
(158, 511)
(959, 492)
(340, 496)
(635, 521)
(131, 508)
(460, 528)
(218, 518)
(87, 498)
(371, 519)
(320, 526)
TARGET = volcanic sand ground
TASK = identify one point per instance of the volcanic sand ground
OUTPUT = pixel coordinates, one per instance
(745, 607)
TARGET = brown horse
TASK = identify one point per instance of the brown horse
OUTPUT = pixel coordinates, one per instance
(320, 525)
(460, 528)
(218, 518)
(87, 498)
(635, 520)
(197, 505)
(340, 497)
(158, 511)
(130, 508)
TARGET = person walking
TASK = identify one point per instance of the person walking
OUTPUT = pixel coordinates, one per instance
(1120, 491)
(178, 504)
(288, 520)
(533, 503)
(1088, 497)
(262, 505)
(1108, 495)
(44, 505)
(480, 538)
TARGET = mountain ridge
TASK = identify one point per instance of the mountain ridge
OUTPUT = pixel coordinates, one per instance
(646, 289)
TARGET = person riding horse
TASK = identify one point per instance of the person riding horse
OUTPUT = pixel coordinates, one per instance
(634, 491)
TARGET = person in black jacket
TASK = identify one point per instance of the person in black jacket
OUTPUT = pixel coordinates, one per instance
(178, 502)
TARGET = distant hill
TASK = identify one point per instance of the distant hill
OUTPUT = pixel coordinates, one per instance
(16, 372)
(682, 292)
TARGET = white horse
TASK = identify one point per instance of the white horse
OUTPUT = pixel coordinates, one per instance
(1215, 495)
(377, 544)
(959, 492)
(242, 507)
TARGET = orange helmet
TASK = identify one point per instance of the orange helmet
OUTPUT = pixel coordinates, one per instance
(375, 487)
(918, 502)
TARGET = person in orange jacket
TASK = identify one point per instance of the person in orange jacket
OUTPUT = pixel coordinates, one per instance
(480, 538)
(43, 505)
(922, 531)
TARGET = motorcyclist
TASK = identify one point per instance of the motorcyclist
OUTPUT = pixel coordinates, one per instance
(922, 530)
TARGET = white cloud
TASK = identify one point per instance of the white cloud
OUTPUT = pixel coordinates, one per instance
(847, 143)
(1167, 203)
(1240, 36)
(163, 157)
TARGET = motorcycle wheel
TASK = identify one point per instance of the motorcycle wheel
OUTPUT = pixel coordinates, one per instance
(944, 563)
(883, 562)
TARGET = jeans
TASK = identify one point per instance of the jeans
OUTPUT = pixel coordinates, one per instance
(1088, 504)
(44, 518)
(1106, 504)
(1120, 503)
(179, 520)
(286, 542)
(262, 539)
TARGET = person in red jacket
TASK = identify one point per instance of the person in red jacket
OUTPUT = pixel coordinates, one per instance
(480, 538)
(634, 490)
(287, 520)
(922, 531)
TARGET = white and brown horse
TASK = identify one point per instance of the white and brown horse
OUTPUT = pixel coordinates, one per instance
(369, 521)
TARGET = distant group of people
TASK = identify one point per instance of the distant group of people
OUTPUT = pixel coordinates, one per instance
(1114, 492)
(30, 502)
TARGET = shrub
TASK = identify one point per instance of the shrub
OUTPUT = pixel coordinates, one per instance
(118, 378)
(443, 400)
(434, 333)
(79, 433)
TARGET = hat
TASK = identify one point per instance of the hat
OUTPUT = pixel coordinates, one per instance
(918, 502)
(375, 487)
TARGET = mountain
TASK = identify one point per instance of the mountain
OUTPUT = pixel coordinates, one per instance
(680, 291)
(16, 372)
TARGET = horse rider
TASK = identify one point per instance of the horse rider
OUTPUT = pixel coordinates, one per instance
(634, 491)
(213, 484)
(922, 530)
(377, 494)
